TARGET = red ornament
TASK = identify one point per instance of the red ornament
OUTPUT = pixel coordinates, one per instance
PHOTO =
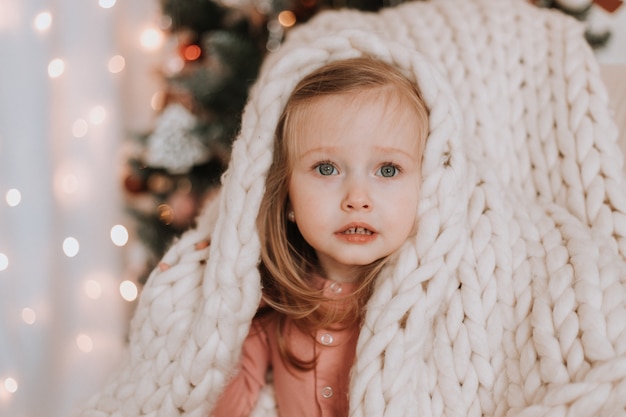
(134, 184)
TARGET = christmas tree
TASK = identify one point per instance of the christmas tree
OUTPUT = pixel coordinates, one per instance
(221, 46)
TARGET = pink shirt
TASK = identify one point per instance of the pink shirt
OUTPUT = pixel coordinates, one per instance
(322, 391)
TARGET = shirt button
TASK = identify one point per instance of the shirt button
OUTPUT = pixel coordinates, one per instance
(327, 392)
(326, 339)
(335, 287)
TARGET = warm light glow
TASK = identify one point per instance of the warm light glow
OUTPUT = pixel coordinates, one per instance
(97, 115)
(151, 39)
(71, 247)
(80, 128)
(43, 21)
(56, 68)
(287, 18)
(157, 101)
(119, 235)
(174, 64)
(28, 315)
(10, 385)
(69, 184)
(192, 52)
(93, 289)
(4, 261)
(128, 290)
(116, 64)
(84, 343)
(106, 4)
(13, 197)
(166, 213)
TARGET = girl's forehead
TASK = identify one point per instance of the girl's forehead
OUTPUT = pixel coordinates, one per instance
(395, 105)
(335, 122)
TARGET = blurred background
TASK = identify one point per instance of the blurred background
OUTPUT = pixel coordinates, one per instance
(116, 119)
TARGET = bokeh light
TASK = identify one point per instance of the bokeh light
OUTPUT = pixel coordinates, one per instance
(56, 68)
(10, 384)
(4, 261)
(287, 18)
(84, 343)
(42, 21)
(192, 52)
(69, 184)
(157, 101)
(119, 235)
(28, 315)
(106, 4)
(116, 64)
(71, 247)
(13, 197)
(151, 39)
(93, 289)
(80, 127)
(128, 290)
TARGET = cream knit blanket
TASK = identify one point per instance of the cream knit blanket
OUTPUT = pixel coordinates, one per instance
(510, 301)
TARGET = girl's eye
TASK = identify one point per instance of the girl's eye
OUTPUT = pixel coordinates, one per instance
(388, 171)
(326, 169)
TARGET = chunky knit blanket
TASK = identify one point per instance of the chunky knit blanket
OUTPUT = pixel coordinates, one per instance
(510, 301)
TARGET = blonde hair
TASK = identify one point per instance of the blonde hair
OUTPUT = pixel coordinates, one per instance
(287, 260)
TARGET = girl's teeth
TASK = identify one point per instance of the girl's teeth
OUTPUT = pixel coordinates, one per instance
(357, 231)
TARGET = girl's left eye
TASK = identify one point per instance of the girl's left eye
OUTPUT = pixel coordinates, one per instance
(388, 171)
(326, 168)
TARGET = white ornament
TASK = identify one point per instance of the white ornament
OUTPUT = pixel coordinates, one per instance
(173, 144)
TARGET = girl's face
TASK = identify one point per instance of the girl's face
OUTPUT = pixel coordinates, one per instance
(355, 182)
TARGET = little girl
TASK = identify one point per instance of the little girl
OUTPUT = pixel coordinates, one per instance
(341, 197)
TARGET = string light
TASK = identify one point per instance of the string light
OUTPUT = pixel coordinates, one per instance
(128, 290)
(116, 64)
(192, 52)
(151, 39)
(119, 235)
(157, 101)
(4, 261)
(106, 4)
(13, 197)
(43, 21)
(10, 384)
(80, 128)
(84, 343)
(70, 247)
(67, 183)
(56, 68)
(287, 18)
(93, 289)
(28, 315)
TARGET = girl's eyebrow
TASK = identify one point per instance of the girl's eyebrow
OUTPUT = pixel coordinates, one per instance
(393, 150)
(381, 149)
(320, 149)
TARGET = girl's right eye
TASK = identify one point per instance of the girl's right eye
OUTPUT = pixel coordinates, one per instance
(326, 168)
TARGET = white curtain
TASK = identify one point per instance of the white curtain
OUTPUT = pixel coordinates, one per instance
(75, 81)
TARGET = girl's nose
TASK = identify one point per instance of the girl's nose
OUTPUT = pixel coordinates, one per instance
(356, 197)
